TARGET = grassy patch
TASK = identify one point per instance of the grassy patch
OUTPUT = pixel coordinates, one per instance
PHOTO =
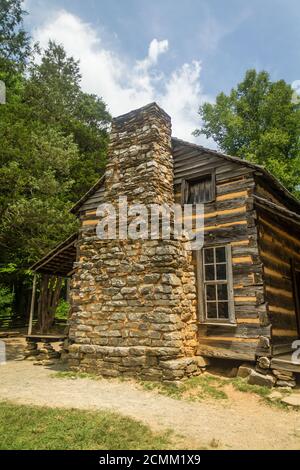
(31, 427)
(210, 386)
(264, 392)
(206, 386)
(67, 374)
(193, 389)
(242, 386)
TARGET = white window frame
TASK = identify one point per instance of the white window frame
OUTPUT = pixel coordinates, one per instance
(201, 283)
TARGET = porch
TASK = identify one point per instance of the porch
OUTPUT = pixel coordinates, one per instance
(286, 362)
(50, 274)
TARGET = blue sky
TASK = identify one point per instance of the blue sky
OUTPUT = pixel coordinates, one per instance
(177, 52)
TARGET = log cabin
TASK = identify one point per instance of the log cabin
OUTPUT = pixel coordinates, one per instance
(152, 309)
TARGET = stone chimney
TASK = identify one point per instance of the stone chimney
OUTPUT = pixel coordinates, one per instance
(134, 301)
(140, 163)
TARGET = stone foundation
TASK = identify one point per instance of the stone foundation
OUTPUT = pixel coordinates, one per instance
(138, 362)
(263, 375)
(45, 354)
(134, 301)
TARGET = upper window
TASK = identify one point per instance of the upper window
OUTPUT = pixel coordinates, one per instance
(200, 190)
(217, 284)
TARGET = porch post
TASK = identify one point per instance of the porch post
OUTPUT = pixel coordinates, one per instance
(68, 290)
(32, 305)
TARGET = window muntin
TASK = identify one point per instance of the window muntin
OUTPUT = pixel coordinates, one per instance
(216, 284)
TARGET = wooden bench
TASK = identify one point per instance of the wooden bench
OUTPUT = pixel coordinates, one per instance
(37, 338)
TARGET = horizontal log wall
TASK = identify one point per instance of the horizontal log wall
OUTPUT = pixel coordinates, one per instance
(279, 244)
(230, 219)
(87, 213)
(94, 200)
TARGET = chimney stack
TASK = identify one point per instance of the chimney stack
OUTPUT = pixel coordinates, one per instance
(134, 301)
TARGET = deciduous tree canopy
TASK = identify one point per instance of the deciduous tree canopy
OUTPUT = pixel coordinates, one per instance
(258, 121)
(53, 144)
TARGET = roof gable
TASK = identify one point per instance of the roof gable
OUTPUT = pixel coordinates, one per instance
(273, 183)
(178, 144)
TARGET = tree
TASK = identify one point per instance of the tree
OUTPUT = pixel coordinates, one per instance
(54, 95)
(14, 41)
(53, 145)
(35, 179)
(258, 121)
(53, 148)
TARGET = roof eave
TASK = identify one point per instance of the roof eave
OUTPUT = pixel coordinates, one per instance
(75, 209)
(37, 267)
(259, 169)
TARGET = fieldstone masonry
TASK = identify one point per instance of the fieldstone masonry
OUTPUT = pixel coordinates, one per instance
(134, 301)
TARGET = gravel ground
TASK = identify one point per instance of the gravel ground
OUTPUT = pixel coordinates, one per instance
(241, 422)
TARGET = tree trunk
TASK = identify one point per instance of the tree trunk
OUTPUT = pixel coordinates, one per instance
(48, 301)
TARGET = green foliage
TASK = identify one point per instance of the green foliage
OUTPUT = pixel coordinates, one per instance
(6, 294)
(62, 311)
(53, 147)
(64, 429)
(6, 301)
(258, 121)
(8, 269)
(54, 96)
(14, 41)
(35, 182)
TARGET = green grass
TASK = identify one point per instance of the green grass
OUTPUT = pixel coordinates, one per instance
(192, 389)
(67, 374)
(32, 428)
(242, 386)
(209, 386)
(198, 388)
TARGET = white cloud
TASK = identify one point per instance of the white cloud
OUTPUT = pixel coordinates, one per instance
(156, 48)
(126, 85)
(182, 98)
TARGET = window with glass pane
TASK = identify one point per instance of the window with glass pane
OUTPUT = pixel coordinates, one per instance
(216, 289)
(201, 190)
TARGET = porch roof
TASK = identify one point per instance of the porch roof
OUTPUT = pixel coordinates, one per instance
(60, 260)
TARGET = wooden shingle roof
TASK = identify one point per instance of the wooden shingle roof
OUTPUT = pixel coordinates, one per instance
(181, 147)
(58, 261)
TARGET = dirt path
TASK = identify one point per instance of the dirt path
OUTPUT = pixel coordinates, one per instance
(239, 423)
